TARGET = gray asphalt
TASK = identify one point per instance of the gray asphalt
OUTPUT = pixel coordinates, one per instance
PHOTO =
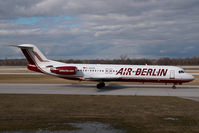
(19, 73)
(111, 89)
(13, 68)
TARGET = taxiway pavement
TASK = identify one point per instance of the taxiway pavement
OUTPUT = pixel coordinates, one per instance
(110, 89)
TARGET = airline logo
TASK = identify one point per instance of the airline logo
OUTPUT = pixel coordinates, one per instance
(143, 72)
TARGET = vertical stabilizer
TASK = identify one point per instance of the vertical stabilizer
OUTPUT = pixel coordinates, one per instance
(36, 60)
(33, 54)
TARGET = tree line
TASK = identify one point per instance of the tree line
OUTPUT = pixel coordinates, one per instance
(122, 60)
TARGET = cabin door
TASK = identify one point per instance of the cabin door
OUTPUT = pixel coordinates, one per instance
(172, 74)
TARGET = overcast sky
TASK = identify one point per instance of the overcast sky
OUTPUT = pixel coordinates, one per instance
(100, 29)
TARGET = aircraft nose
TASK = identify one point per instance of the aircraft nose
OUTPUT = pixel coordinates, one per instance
(191, 77)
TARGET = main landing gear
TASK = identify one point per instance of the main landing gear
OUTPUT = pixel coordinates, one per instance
(174, 86)
(100, 85)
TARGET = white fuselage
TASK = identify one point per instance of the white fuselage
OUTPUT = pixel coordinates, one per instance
(103, 72)
(137, 73)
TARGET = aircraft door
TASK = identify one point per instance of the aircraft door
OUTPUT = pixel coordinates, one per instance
(172, 74)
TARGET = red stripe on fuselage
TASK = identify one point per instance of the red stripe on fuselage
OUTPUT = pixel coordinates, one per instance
(154, 80)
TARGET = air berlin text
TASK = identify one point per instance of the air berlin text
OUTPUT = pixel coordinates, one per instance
(143, 72)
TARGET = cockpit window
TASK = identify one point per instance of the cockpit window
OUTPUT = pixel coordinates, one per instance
(181, 71)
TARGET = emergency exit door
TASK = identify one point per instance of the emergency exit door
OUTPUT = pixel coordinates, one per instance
(172, 74)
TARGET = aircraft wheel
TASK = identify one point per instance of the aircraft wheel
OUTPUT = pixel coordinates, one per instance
(174, 87)
(100, 85)
(103, 84)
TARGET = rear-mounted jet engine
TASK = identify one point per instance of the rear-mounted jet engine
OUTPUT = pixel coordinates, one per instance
(65, 70)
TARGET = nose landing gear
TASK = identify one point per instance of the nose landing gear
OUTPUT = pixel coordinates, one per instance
(100, 85)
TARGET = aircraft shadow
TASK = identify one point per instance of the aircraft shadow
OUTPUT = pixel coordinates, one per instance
(110, 87)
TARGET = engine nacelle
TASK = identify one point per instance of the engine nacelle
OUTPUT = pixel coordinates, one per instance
(65, 70)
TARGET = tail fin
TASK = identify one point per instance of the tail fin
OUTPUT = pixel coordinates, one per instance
(33, 54)
(36, 60)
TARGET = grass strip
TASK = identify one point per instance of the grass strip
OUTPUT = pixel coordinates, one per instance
(134, 114)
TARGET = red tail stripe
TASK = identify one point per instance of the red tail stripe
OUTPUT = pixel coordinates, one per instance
(29, 59)
(39, 57)
(36, 65)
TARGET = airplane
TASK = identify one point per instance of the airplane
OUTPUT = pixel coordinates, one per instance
(102, 73)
